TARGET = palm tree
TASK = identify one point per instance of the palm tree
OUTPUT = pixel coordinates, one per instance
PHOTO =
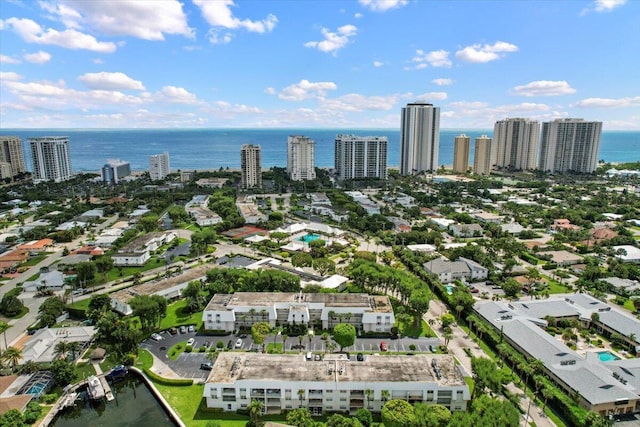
(3, 329)
(255, 410)
(385, 395)
(546, 395)
(13, 356)
(369, 395)
(447, 338)
(285, 337)
(61, 349)
(74, 347)
(301, 396)
(632, 338)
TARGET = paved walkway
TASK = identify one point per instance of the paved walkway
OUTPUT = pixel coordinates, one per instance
(162, 369)
(461, 340)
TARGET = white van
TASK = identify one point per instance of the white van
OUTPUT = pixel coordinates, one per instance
(309, 355)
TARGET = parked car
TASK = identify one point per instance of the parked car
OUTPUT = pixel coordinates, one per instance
(474, 290)
(238, 343)
(360, 357)
(192, 328)
(156, 337)
(191, 341)
(183, 329)
(173, 331)
(206, 366)
(317, 357)
(230, 344)
(383, 346)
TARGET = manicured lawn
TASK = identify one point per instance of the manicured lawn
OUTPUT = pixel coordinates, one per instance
(115, 272)
(33, 261)
(411, 330)
(274, 348)
(81, 305)
(175, 350)
(177, 315)
(84, 370)
(555, 287)
(145, 360)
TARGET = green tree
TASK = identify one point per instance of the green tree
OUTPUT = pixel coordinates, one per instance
(12, 356)
(103, 264)
(432, 415)
(11, 305)
(447, 320)
(150, 309)
(398, 413)
(419, 303)
(511, 287)
(259, 333)
(149, 222)
(12, 418)
(50, 310)
(85, 273)
(63, 371)
(255, 412)
(300, 417)
(344, 334)
(61, 349)
(364, 416)
(337, 420)
(485, 375)
(3, 329)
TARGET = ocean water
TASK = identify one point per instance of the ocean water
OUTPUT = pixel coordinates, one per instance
(215, 148)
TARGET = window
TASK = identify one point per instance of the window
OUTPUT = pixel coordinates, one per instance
(214, 393)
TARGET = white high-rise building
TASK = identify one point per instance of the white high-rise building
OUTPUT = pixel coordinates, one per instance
(114, 170)
(159, 166)
(515, 144)
(250, 164)
(12, 153)
(482, 156)
(419, 138)
(51, 159)
(570, 145)
(360, 157)
(301, 152)
(461, 148)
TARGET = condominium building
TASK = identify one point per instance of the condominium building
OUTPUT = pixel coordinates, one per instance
(11, 153)
(482, 156)
(461, 147)
(359, 157)
(301, 152)
(115, 170)
(515, 144)
(367, 313)
(159, 166)
(250, 164)
(51, 159)
(334, 383)
(419, 138)
(570, 145)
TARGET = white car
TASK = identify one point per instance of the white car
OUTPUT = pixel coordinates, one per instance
(191, 341)
(238, 343)
(157, 337)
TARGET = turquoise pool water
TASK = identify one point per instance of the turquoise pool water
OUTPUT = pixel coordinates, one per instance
(607, 356)
(309, 238)
(449, 289)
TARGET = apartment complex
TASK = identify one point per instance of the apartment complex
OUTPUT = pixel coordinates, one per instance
(301, 152)
(482, 156)
(515, 144)
(12, 160)
(367, 313)
(419, 138)
(51, 159)
(570, 145)
(115, 170)
(461, 148)
(360, 157)
(251, 166)
(159, 166)
(334, 383)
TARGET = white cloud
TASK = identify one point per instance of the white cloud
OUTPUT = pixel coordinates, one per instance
(355, 102)
(334, 41)
(148, 20)
(177, 94)
(32, 32)
(608, 102)
(110, 81)
(435, 58)
(357, 15)
(442, 82)
(306, 90)
(603, 6)
(382, 5)
(97, 61)
(218, 37)
(219, 14)
(484, 53)
(378, 64)
(4, 59)
(39, 57)
(9, 76)
(432, 96)
(544, 88)
(270, 91)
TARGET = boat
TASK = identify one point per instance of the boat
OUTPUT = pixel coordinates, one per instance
(117, 373)
(95, 388)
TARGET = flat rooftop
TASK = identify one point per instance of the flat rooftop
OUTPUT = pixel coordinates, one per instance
(375, 303)
(231, 367)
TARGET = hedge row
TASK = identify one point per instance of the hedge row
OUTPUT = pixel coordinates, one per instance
(167, 381)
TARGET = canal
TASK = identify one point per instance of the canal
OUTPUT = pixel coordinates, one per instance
(134, 406)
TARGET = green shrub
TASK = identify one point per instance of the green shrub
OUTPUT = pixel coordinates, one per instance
(168, 381)
(49, 398)
(32, 412)
(188, 349)
(202, 349)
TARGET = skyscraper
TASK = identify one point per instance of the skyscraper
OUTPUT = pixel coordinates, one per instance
(361, 157)
(114, 170)
(250, 163)
(461, 147)
(515, 144)
(419, 138)
(301, 158)
(51, 159)
(570, 145)
(12, 154)
(159, 166)
(482, 156)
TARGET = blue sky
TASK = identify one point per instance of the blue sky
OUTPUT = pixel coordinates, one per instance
(315, 64)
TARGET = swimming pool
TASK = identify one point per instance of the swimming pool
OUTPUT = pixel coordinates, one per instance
(607, 356)
(307, 238)
(449, 289)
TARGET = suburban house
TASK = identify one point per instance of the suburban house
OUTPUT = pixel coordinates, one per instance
(462, 269)
(198, 208)
(41, 346)
(466, 230)
(334, 383)
(367, 313)
(138, 252)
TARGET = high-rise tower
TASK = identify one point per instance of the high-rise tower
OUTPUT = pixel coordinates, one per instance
(482, 156)
(159, 166)
(570, 145)
(515, 144)
(461, 148)
(250, 164)
(361, 157)
(301, 158)
(419, 138)
(12, 156)
(114, 170)
(51, 159)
